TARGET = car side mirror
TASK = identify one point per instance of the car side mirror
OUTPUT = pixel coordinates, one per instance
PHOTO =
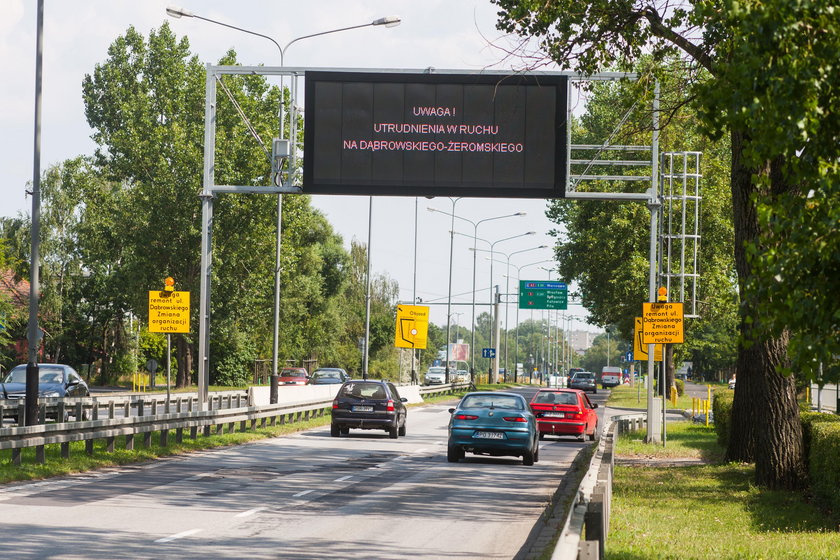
(403, 399)
(594, 405)
(451, 410)
(72, 382)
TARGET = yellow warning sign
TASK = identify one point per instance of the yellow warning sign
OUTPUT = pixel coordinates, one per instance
(169, 312)
(412, 326)
(663, 323)
(640, 351)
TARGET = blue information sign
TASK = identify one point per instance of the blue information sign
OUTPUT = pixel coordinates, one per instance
(488, 352)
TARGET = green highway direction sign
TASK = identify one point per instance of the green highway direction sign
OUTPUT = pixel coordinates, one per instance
(542, 294)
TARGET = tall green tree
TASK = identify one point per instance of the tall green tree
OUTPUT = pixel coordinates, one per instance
(145, 103)
(747, 50)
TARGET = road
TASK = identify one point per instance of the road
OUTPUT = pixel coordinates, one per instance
(303, 496)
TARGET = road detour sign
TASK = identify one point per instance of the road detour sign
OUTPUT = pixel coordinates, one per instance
(169, 312)
(412, 326)
(640, 350)
(663, 323)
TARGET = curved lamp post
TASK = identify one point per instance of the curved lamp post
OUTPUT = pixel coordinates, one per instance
(475, 237)
(388, 21)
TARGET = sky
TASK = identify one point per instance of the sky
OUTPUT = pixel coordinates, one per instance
(443, 34)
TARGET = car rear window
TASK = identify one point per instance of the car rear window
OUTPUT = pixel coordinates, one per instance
(292, 373)
(584, 376)
(362, 389)
(549, 397)
(496, 401)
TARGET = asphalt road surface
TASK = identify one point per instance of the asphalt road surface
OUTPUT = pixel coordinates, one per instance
(304, 496)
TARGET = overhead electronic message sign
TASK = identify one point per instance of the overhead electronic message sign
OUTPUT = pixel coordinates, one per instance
(472, 135)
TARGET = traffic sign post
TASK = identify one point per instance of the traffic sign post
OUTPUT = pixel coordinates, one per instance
(412, 326)
(541, 294)
(169, 312)
(663, 323)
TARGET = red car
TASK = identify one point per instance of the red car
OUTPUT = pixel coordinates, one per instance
(293, 376)
(565, 412)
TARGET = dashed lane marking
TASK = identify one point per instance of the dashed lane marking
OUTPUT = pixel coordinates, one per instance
(177, 536)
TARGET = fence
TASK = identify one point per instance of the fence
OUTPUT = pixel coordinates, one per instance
(184, 418)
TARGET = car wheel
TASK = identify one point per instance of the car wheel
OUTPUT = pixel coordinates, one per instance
(528, 458)
(542, 436)
(345, 431)
(582, 437)
(335, 431)
(537, 453)
(594, 391)
(401, 431)
(393, 432)
(454, 453)
(594, 431)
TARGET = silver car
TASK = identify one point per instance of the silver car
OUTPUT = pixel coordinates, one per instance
(435, 376)
(583, 380)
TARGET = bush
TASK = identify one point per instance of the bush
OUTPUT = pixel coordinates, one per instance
(722, 411)
(809, 419)
(680, 387)
(823, 460)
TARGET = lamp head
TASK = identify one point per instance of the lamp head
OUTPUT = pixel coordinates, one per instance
(176, 12)
(531, 233)
(387, 21)
(521, 214)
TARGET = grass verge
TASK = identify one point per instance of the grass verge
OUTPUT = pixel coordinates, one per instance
(708, 511)
(625, 396)
(80, 461)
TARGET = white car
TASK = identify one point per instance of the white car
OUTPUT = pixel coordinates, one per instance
(435, 376)
(460, 376)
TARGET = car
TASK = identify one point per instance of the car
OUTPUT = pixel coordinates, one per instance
(435, 375)
(328, 376)
(368, 405)
(583, 380)
(54, 380)
(610, 376)
(564, 412)
(460, 376)
(493, 423)
(293, 376)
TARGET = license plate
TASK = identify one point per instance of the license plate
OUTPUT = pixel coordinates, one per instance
(361, 408)
(489, 435)
(554, 415)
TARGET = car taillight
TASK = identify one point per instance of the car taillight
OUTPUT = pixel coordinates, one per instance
(466, 417)
(335, 404)
(515, 419)
(390, 406)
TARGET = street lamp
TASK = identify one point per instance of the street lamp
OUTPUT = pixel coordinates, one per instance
(516, 328)
(492, 248)
(475, 237)
(388, 21)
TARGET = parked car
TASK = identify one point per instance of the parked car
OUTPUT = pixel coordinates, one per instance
(610, 376)
(293, 376)
(328, 376)
(368, 405)
(54, 380)
(435, 375)
(565, 412)
(493, 423)
(583, 380)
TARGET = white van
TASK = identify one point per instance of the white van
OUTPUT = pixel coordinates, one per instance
(610, 376)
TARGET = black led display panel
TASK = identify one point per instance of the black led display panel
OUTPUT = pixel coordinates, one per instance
(471, 135)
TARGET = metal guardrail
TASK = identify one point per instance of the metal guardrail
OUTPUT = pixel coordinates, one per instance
(63, 433)
(593, 498)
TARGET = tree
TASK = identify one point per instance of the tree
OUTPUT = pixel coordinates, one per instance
(145, 104)
(742, 47)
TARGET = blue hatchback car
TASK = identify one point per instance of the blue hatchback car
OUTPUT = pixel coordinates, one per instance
(493, 423)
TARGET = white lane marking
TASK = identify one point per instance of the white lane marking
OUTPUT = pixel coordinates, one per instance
(178, 536)
(250, 512)
(304, 493)
(421, 450)
(343, 478)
